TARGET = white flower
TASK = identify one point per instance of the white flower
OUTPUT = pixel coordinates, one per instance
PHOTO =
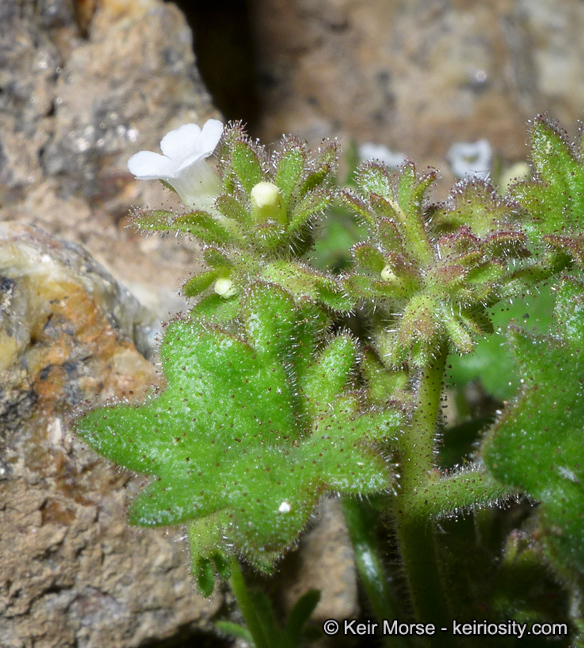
(265, 194)
(267, 204)
(387, 274)
(379, 152)
(182, 164)
(471, 159)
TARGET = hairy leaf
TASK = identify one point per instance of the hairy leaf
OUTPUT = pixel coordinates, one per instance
(555, 200)
(251, 431)
(536, 445)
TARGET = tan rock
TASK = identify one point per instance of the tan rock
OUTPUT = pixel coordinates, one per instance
(85, 85)
(418, 76)
(72, 573)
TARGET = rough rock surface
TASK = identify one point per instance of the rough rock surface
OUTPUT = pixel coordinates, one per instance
(72, 573)
(421, 75)
(83, 85)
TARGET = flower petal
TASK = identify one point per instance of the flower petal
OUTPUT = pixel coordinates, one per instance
(207, 141)
(210, 135)
(197, 185)
(182, 143)
(146, 165)
(190, 161)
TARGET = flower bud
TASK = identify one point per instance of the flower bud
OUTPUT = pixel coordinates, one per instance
(225, 288)
(267, 205)
(387, 274)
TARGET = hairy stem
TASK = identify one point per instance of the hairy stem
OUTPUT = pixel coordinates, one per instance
(460, 491)
(418, 440)
(415, 535)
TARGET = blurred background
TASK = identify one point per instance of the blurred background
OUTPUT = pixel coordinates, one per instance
(86, 83)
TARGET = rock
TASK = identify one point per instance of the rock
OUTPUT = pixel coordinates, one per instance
(418, 76)
(83, 86)
(324, 561)
(72, 573)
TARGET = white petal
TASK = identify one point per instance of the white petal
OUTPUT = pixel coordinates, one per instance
(181, 143)
(210, 135)
(146, 165)
(206, 143)
(471, 158)
(193, 159)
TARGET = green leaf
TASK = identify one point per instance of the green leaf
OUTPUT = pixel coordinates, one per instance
(369, 257)
(235, 630)
(492, 361)
(269, 333)
(475, 204)
(153, 220)
(216, 259)
(203, 226)
(319, 172)
(205, 576)
(302, 282)
(198, 223)
(225, 442)
(411, 189)
(199, 283)
(315, 180)
(311, 205)
(555, 201)
(230, 207)
(300, 615)
(350, 199)
(290, 168)
(536, 445)
(246, 165)
(328, 376)
(333, 295)
(327, 155)
(375, 179)
(222, 565)
(383, 383)
(552, 154)
(267, 618)
(216, 309)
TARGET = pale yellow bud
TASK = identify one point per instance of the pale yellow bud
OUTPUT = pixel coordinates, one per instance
(387, 274)
(267, 204)
(225, 288)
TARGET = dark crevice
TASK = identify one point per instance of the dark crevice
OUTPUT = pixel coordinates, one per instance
(223, 46)
(185, 638)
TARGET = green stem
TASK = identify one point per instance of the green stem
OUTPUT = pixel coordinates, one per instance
(246, 605)
(418, 440)
(361, 519)
(463, 490)
(415, 535)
